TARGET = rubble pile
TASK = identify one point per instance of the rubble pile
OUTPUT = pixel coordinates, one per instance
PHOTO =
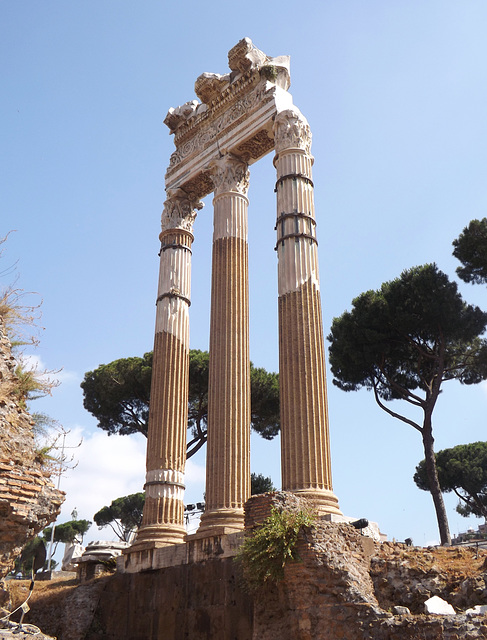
(348, 586)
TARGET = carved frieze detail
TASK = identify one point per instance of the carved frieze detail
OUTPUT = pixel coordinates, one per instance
(229, 173)
(179, 211)
(291, 131)
(206, 134)
(257, 146)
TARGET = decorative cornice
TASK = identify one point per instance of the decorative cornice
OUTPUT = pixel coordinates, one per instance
(179, 211)
(248, 65)
(244, 56)
(291, 131)
(229, 173)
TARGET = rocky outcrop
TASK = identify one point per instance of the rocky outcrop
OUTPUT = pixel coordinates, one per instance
(24, 633)
(28, 499)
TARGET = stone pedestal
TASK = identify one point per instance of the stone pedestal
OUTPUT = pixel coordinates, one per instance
(228, 452)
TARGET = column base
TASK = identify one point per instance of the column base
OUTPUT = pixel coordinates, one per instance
(230, 520)
(323, 500)
(158, 535)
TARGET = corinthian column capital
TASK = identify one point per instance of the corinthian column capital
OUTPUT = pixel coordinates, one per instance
(291, 131)
(179, 211)
(230, 174)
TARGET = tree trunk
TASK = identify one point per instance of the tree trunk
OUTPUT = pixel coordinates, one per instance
(480, 506)
(434, 485)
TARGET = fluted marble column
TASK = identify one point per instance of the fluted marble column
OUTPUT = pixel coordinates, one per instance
(305, 447)
(228, 446)
(163, 518)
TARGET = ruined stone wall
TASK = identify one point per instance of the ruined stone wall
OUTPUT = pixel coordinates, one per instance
(201, 601)
(344, 588)
(28, 499)
(333, 594)
(407, 576)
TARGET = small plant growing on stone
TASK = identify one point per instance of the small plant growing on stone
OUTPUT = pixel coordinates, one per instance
(268, 548)
(269, 72)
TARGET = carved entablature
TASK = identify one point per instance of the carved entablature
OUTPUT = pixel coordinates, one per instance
(291, 131)
(200, 132)
(235, 116)
(179, 211)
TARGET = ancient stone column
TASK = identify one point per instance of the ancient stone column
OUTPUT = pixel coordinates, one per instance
(305, 446)
(163, 518)
(228, 446)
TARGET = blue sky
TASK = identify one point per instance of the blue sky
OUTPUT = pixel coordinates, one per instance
(395, 93)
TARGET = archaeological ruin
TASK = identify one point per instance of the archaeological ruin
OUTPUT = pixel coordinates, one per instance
(172, 586)
(243, 115)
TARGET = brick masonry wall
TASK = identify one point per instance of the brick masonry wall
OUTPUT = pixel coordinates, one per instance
(28, 499)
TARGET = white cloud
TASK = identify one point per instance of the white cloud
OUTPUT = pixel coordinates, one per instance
(32, 361)
(195, 474)
(67, 377)
(110, 467)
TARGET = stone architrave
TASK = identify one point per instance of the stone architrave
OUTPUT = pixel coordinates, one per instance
(228, 445)
(163, 517)
(242, 116)
(305, 446)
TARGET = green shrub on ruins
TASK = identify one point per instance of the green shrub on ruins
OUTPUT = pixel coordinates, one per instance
(269, 547)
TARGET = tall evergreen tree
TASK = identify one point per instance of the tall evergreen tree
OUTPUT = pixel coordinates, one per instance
(463, 471)
(123, 515)
(118, 395)
(403, 342)
(471, 249)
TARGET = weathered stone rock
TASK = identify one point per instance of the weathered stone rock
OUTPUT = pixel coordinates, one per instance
(479, 609)
(27, 634)
(331, 594)
(400, 611)
(72, 553)
(438, 606)
(408, 576)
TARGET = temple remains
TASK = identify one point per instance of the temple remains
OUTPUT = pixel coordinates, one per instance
(242, 116)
